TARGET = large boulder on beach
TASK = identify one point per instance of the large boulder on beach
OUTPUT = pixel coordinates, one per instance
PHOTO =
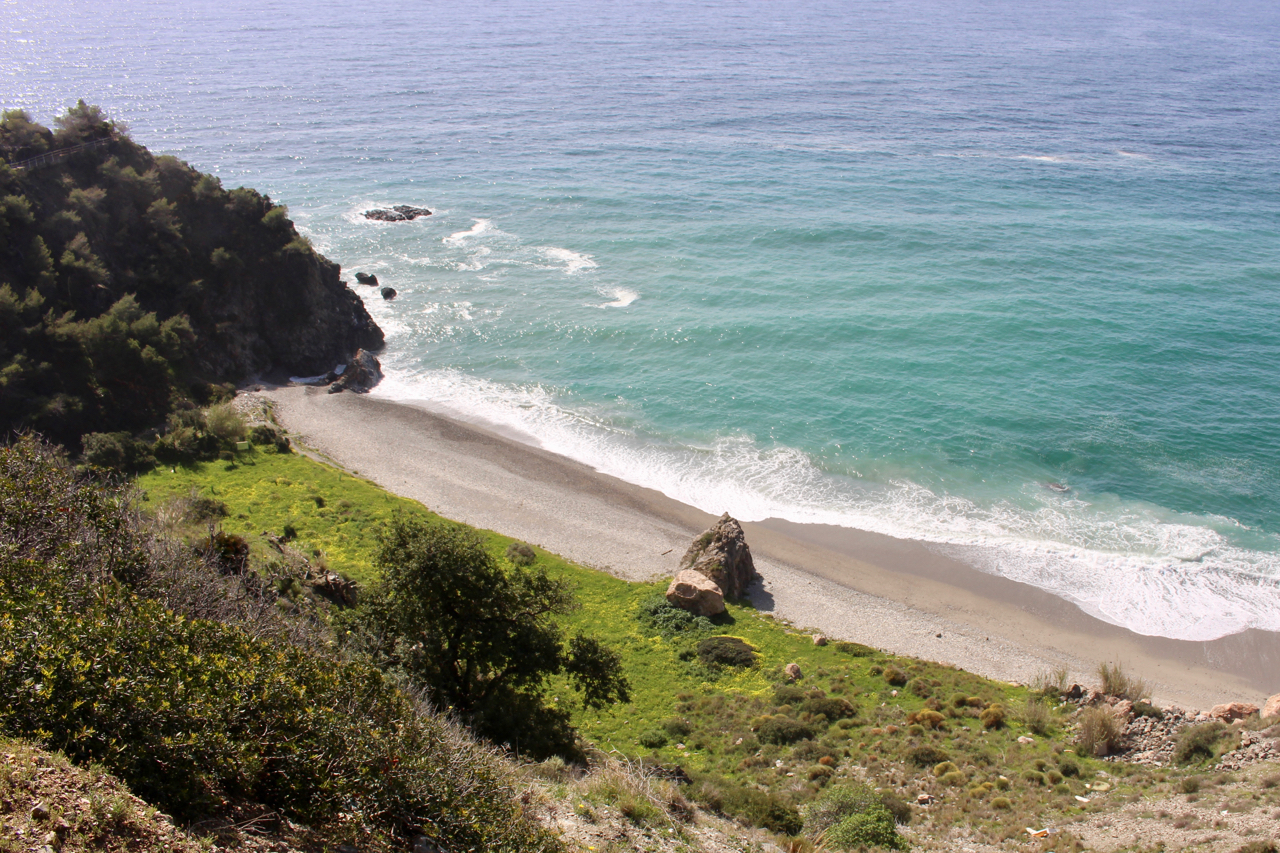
(1271, 708)
(1229, 712)
(696, 593)
(721, 553)
(361, 374)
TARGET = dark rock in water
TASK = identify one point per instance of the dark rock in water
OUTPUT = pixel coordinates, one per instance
(362, 373)
(367, 278)
(399, 213)
(721, 554)
(388, 293)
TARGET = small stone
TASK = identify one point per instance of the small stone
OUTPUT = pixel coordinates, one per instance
(1025, 739)
(793, 672)
(40, 812)
(819, 640)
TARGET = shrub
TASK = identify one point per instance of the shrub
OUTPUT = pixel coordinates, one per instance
(520, 554)
(929, 719)
(726, 651)
(652, 739)
(1190, 785)
(1002, 803)
(669, 621)
(226, 424)
(789, 694)
(1198, 743)
(1115, 682)
(229, 551)
(874, 828)
(781, 729)
(895, 676)
(1035, 777)
(856, 650)
(926, 755)
(831, 708)
(943, 768)
(1054, 777)
(483, 639)
(756, 807)
(1146, 709)
(955, 778)
(677, 727)
(1035, 715)
(118, 451)
(992, 717)
(268, 436)
(1099, 731)
(1069, 768)
(837, 803)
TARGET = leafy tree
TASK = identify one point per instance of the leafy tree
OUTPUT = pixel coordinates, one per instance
(483, 638)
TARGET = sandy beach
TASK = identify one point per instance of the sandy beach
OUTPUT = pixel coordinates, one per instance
(897, 595)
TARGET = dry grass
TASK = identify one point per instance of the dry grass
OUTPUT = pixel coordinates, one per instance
(1099, 731)
(1116, 682)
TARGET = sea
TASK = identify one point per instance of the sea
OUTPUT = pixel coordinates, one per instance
(999, 276)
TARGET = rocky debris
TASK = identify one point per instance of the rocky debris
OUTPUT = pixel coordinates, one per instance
(1229, 712)
(819, 640)
(388, 293)
(362, 373)
(721, 553)
(1271, 708)
(367, 278)
(1150, 741)
(336, 588)
(696, 593)
(398, 213)
(793, 672)
(1254, 747)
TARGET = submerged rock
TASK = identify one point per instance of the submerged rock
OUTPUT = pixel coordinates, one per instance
(388, 293)
(399, 213)
(721, 553)
(696, 593)
(367, 278)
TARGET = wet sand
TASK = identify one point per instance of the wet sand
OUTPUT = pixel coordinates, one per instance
(897, 595)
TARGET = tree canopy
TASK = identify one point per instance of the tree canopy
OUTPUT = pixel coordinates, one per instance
(482, 637)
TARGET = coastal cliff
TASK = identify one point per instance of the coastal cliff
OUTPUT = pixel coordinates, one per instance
(129, 281)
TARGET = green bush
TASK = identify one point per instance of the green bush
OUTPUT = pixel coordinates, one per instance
(895, 676)
(827, 706)
(992, 717)
(781, 729)
(118, 451)
(856, 650)
(652, 739)
(726, 651)
(520, 554)
(263, 435)
(483, 639)
(926, 755)
(660, 616)
(1002, 803)
(872, 828)
(1199, 743)
(677, 727)
(789, 694)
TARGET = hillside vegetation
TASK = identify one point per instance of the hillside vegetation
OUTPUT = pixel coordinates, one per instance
(130, 283)
(917, 752)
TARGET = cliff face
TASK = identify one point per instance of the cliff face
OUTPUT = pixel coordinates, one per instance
(128, 282)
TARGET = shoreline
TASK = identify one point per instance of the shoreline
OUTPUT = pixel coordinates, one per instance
(893, 594)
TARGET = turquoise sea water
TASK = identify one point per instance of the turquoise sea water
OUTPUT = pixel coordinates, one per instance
(896, 266)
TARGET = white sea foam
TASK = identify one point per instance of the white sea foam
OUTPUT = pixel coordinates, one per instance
(481, 226)
(1131, 564)
(573, 261)
(621, 296)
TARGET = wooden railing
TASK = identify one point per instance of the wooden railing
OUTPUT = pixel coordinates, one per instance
(62, 153)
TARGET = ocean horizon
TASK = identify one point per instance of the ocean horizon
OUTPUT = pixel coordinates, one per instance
(1001, 279)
